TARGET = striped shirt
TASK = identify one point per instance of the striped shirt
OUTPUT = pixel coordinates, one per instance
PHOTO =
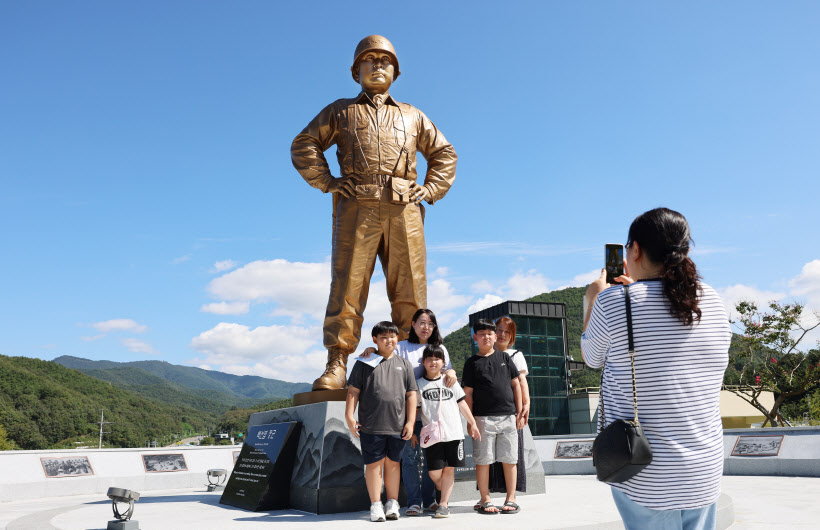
(679, 374)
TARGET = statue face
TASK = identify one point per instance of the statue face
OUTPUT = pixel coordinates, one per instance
(376, 72)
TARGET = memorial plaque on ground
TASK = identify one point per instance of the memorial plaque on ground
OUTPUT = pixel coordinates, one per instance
(261, 476)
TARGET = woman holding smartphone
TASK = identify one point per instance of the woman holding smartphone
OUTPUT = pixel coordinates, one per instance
(681, 342)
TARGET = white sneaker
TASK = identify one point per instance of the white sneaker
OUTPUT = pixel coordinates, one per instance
(391, 509)
(377, 512)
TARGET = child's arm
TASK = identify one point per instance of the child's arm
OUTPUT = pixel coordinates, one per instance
(410, 403)
(468, 397)
(414, 440)
(519, 408)
(472, 428)
(350, 406)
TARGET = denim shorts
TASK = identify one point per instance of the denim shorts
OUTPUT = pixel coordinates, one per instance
(637, 517)
(377, 446)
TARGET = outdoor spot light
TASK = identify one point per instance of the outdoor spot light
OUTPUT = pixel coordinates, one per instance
(217, 478)
(122, 496)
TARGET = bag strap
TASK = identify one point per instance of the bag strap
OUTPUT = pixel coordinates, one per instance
(631, 345)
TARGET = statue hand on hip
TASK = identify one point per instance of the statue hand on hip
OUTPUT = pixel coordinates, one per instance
(344, 185)
(418, 193)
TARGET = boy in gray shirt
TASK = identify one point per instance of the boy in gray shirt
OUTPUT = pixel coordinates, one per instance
(387, 412)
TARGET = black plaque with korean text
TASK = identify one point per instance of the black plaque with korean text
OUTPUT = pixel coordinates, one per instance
(260, 480)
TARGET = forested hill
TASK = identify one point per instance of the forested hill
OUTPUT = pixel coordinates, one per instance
(186, 384)
(459, 342)
(44, 404)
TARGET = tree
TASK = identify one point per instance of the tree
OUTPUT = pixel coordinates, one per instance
(769, 359)
(207, 440)
(5, 445)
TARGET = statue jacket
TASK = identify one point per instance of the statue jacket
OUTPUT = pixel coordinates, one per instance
(375, 144)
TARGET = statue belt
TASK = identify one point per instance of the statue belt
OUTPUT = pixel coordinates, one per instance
(373, 187)
(382, 180)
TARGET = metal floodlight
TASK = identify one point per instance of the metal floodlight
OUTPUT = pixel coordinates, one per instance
(121, 495)
(216, 478)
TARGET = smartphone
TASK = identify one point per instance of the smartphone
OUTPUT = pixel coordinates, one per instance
(614, 261)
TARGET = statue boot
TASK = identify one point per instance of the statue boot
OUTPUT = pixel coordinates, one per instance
(335, 376)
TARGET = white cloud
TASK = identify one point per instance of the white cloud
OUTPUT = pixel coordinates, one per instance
(95, 337)
(296, 288)
(119, 324)
(582, 280)
(226, 308)
(737, 293)
(522, 286)
(138, 346)
(484, 302)
(807, 283)
(803, 288)
(228, 343)
(297, 368)
(222, 266)
(443, 297)
(181, 259)
(240, 350)
(378, 309)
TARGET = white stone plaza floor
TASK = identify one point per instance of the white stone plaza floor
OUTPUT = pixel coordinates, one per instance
(571, 501)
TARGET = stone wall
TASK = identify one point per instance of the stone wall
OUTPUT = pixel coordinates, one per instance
(798, 453)
(23, 474)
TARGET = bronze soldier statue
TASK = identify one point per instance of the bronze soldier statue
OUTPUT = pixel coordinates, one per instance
(377, 208)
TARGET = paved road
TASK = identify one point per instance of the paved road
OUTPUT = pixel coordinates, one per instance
(577, 502)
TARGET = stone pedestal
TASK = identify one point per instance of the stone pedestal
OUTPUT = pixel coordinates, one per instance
(123, 525)
(328, 475)
(319, 396)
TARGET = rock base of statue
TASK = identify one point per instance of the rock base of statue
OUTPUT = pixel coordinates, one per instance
(319, 396)
(123, 525)
(328, 474)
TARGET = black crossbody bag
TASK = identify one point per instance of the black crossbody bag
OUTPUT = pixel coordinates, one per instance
(621, 450)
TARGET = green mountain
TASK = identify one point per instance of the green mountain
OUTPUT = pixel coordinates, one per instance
(205, 390)
(158, 389)
(44, 404)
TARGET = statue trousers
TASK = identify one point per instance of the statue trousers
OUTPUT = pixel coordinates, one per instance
(362, 230)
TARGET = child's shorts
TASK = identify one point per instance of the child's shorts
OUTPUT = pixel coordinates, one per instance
(445, 454)
(499, 440)
(377, 446)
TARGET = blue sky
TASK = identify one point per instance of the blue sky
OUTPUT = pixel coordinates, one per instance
(149, 208)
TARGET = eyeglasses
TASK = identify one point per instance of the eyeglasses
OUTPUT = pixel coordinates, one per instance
(425, 324)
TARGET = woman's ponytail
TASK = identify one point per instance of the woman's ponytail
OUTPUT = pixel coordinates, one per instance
(663, 234)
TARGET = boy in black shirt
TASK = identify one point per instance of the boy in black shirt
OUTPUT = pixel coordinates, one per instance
(387, 412)
(490, 382)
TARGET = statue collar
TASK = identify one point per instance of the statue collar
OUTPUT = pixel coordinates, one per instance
(364, 96)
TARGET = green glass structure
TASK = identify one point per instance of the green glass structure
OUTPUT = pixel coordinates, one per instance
(542, 337)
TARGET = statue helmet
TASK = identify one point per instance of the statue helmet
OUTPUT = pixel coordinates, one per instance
(378, 43)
